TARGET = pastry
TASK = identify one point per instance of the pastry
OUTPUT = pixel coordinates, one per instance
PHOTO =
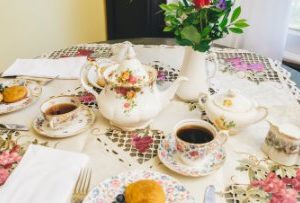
(14, 94)
(144, 191)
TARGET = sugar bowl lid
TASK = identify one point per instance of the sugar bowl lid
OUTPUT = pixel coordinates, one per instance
(233, 101)
(130, 73)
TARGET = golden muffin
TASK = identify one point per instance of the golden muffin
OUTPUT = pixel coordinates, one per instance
(144, 191)
(14, 94)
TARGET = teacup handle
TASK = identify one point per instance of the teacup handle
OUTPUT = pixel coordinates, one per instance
(52, 123)
(223, 136)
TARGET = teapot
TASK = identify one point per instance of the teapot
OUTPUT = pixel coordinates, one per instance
(130, 99)
(231, 110)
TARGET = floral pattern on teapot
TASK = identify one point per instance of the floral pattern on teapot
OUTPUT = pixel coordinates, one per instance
(222, 124)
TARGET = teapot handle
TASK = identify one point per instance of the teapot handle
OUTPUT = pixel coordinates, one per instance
(84, 80)
(202, 100)
(263, 111)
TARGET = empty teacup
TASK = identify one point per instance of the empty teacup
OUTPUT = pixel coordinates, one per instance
(58, 110)
(195, 139)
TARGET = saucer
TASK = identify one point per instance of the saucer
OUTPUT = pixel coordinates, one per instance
(169, 157)
(34, 91)
(108, 189)
(82, 122)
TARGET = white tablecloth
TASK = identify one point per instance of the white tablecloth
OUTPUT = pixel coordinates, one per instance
(105, 163)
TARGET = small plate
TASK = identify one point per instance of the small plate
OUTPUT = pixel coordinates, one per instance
(34, 92)
(107, 190)
(169, 157)
(82, 122)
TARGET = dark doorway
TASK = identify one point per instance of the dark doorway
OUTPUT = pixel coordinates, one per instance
(134, 18)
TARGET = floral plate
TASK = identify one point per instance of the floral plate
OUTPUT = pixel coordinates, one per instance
(107, 190)
(169, 157)
(34, 92)
(82, 122)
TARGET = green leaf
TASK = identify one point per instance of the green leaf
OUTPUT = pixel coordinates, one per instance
(183, 42)
(236, 30)
(241, 24)
(191, 33)
(206, 31)
(164, 7)
(168, 29)
(224, 23)
(236, 13)
(173, 6)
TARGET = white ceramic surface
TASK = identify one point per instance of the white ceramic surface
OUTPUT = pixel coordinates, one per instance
(282, 143)
(231, 110)
(169, 156)
(108, 189)
(84, 120)
(195, 67)
(34, 92)
(130, 99)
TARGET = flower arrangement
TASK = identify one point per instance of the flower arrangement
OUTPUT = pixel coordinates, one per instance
(270, 182)
(197, 23)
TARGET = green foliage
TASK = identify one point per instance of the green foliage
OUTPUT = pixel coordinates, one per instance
(198, 27)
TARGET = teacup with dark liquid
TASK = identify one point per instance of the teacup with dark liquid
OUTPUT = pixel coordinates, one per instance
(58, 110)
(195, 139)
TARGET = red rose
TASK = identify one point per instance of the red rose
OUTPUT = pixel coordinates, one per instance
(201, 3)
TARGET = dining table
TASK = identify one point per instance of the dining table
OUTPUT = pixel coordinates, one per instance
(111, 151)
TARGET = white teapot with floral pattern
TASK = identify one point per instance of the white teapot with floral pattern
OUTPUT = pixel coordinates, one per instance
(231, 110)
(130, 99)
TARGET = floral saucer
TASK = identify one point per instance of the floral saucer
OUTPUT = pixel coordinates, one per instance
(82, 122)
(169, 157)
(107, 190)
(34, 91)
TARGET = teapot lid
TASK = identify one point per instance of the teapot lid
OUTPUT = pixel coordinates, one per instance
(130, 72)
(233, 101)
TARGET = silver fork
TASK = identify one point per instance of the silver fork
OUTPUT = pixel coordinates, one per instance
(82, 185)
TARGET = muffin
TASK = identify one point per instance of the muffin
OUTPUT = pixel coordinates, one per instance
(144, 191)
(14, 94)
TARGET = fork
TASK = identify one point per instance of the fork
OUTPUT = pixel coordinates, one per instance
(82, 185)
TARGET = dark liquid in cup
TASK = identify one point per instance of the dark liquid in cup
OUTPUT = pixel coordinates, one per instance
(60, 109)
(195, 134)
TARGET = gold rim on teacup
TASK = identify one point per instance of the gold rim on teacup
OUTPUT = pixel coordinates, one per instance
(191, 153)
(56, 121)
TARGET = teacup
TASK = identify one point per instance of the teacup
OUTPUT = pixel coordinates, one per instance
(58, 110)
(195, 139)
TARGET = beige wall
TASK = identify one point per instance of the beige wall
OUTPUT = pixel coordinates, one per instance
(31, 27)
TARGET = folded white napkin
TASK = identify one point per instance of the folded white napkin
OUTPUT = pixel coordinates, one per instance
(44, 175)
(64, 68)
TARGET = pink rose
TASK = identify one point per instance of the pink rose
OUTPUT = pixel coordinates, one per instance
(132, 80)
(126, 105)
(3, 175)
(7, 158)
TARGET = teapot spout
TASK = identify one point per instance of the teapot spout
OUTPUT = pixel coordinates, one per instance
(168, 94)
